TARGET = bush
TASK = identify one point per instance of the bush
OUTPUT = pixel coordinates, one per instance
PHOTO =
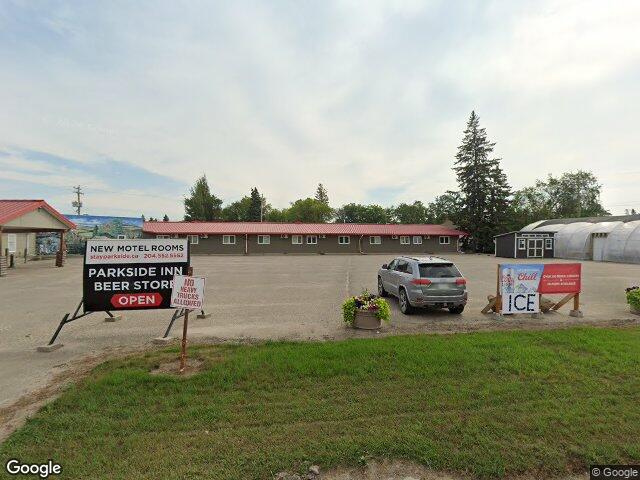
(633, 297)
(365, 301)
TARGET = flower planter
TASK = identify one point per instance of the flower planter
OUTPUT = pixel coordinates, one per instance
(366, 320)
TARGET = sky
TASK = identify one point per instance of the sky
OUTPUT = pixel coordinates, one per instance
(135, 100)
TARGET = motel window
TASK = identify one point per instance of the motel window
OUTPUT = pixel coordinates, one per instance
(445, 240)
(228, 239)
(405, 240)
(312, 239)
(375, 240)
(548, 243)
(12, 240)
(194, 239)
(162, 236)
(417, 240)
(296, 239)
(522, 243)
(264, 239)
(344, 240)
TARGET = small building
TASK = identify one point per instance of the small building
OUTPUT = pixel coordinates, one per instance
(20, 220)
(525, 245)
(308, 238)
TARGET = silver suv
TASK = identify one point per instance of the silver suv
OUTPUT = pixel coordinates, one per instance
(423, 282)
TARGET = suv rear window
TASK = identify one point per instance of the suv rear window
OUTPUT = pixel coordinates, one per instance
(438, 270)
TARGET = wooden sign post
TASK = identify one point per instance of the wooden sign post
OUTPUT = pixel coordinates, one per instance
(187, 294)
(540, 279)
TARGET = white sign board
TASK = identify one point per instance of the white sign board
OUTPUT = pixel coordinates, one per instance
(520, 303)
(188, 292)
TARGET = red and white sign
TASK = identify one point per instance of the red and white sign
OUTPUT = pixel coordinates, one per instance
(561, 278)
(136, 300)
(188, 292)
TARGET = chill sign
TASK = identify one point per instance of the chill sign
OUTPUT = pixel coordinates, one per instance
(132, 274)
(521, 303)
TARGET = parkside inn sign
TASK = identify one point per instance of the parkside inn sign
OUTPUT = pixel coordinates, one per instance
(132, 274)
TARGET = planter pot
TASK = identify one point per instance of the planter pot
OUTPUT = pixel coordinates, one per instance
(366, 320)
(634, 310)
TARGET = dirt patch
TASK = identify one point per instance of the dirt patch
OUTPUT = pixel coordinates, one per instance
(193, 366)
(15, 415)
(405, 470)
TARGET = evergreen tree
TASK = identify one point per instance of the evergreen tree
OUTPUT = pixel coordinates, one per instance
(201, 204)
(483, 186)
(165, 218)
(255, 208)
(322, 195)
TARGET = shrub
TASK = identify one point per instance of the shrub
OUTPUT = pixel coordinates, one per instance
(365, 301)
(633, 297)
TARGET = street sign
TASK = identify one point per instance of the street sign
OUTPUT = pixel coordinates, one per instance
(188, 292)
(132, 273)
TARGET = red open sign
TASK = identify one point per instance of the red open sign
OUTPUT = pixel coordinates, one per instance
(136, 300)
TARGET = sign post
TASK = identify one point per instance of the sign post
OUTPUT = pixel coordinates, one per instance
(188, 294)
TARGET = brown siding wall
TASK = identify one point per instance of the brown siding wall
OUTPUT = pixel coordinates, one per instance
(213, 245)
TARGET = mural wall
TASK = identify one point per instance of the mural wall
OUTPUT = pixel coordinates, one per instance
(90, 226)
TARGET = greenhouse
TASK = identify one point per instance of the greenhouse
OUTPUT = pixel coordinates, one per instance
(608, 239)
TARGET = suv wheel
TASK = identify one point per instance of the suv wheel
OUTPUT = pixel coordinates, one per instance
(381, 291)
(405, 306)
(457, 310)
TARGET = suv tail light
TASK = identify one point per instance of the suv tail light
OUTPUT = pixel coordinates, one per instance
(421, 281)
(461, 281)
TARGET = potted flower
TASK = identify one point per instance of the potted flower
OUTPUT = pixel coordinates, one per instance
(365, 311)
(633, 299)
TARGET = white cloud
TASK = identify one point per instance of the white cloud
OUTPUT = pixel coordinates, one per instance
(357, 95)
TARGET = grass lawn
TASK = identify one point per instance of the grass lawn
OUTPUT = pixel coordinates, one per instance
(488, 404)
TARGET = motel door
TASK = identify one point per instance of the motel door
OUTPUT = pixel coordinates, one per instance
(535, 248)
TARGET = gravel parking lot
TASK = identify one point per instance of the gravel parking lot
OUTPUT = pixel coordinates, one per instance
(256, 297)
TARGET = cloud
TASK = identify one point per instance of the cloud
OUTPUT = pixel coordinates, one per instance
(361, 96)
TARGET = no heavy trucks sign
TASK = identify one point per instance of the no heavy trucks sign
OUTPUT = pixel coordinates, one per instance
(188, 292)
(132, 274)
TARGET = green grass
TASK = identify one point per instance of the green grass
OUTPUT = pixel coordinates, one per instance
(488, 404)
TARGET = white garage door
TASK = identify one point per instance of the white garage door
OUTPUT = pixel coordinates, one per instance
(598, 247)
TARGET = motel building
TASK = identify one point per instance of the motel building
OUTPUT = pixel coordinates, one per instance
(237, 238)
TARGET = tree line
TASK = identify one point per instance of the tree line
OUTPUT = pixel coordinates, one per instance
(483, 205)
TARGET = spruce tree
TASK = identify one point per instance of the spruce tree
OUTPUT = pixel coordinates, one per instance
(483, 187)
(201, 204)
(322, 195)
(255, 208)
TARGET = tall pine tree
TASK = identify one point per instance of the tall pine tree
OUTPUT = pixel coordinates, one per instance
(201, 204)
(322, 195)
(483, 187)
(255, 208)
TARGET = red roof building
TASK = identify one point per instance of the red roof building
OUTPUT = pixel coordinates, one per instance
(20, 220)
(270, 237)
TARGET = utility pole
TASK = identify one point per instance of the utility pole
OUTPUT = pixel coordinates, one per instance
(77, 204)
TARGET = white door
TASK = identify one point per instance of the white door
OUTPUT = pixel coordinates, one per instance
(598, 248)
(535, 248)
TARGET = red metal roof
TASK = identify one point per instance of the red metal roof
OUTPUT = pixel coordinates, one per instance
(11, 209)
(270, 228)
